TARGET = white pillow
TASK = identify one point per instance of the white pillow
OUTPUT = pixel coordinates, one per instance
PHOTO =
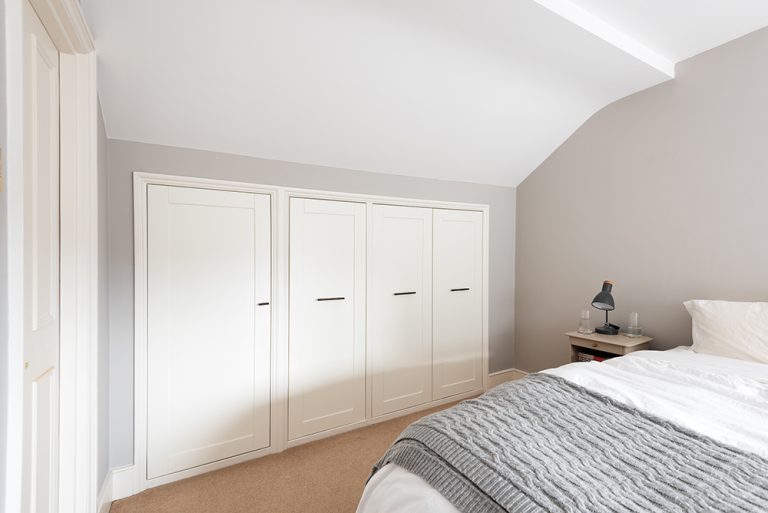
(729, 328)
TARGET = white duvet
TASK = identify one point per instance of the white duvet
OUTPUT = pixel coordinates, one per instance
(722, 398)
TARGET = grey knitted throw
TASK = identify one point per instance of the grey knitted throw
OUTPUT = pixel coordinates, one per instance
(543, 444)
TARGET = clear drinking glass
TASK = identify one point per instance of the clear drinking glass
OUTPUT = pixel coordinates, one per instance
(633, 327)
(584, 324)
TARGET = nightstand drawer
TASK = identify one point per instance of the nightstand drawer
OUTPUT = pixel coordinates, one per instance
(598, 346)
(605, 346)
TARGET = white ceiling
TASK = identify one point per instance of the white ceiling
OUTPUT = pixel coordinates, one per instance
(470, 90)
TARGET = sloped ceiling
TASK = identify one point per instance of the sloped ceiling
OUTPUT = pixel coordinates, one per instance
(471, 90)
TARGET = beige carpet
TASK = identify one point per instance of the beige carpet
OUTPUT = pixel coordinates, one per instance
(326, 476)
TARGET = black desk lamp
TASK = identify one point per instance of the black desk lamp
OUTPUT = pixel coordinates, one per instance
(604, 301)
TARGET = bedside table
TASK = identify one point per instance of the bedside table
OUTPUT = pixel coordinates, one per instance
(605, 346)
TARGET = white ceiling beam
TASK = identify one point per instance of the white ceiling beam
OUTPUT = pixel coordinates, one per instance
(609, 34)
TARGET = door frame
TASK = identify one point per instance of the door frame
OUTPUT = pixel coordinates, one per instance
(65, 23)
(131, 479)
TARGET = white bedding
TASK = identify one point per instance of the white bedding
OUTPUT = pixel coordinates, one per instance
(722, 398)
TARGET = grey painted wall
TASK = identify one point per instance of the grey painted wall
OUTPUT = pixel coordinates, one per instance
(3, 264)
(126, 157)
(665, 192)
(103, 378)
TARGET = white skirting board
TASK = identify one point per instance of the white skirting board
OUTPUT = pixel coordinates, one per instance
(119, 484)
(104, 501)
(497, 378)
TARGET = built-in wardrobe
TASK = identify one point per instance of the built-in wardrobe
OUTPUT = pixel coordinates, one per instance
(268, 317)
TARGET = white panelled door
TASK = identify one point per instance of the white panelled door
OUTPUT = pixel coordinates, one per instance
(400, 308)
(208, 326)
(458, 304)
(41, 268)
(326, 374)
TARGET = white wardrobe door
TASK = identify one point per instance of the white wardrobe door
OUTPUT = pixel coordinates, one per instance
(400, 308)
(208, 326)
(326, 378)
(458, 282)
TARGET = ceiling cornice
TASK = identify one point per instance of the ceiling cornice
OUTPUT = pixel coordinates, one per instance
(609, 34)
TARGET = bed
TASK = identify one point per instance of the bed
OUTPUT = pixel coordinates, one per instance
(712, 400)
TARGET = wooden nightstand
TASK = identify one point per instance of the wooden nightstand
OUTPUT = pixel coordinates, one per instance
(605, 346)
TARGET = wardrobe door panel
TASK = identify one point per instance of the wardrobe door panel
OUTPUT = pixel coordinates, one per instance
(400, 308)
(208, 264)
(458, 283)
(326, 375)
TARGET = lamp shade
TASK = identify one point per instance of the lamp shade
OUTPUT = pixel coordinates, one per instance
(604, 300)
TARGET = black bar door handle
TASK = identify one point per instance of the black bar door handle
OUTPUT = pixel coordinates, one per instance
(330, 298)
(263, 304)
(404, 293)
(460, 290)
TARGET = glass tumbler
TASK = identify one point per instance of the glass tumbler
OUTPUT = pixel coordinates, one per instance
(633, 327)
(584, 324)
